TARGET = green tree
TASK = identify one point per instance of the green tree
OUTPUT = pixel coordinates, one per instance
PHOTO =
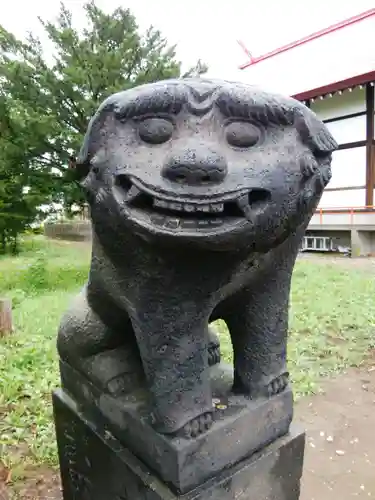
(45, 105)
(23, 185)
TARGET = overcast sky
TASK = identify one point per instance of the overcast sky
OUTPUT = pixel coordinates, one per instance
(203, 29)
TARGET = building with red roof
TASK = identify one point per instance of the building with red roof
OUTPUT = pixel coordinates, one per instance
(333, 72)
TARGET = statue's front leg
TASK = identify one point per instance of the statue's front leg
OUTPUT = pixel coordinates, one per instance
(258, 328)
(175, 360)
(257, 318)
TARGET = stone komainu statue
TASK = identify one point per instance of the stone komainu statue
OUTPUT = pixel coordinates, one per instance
(200, 192)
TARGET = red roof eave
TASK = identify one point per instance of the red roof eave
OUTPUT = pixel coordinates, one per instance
(306, 39)
(336, 86)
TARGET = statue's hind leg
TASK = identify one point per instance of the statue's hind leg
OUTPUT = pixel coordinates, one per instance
(213, 347)
(108, 358)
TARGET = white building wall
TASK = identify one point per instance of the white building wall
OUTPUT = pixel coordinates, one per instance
(334, 57)
(348, 165)
(331, 58)
(341, 104)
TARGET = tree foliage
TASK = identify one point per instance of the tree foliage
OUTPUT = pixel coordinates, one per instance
(46, 100)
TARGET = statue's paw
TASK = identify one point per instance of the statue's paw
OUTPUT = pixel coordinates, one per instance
(116, 371)
(213, 346)
(213, 354)
(278, 384)
(198, 425)
(124, 383)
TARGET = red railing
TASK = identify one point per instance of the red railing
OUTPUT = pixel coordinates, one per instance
(366, 209)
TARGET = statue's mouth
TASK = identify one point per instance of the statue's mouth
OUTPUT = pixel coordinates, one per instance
(171, 213)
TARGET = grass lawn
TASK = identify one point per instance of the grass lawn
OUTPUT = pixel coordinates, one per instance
(332, 325)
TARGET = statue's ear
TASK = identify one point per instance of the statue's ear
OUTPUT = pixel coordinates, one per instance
(79, 169)
(72, 162)
(83, 161)
(90, 143)
(314, 133)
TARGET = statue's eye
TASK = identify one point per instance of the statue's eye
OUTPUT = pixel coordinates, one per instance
(155, 130)
(242, 134)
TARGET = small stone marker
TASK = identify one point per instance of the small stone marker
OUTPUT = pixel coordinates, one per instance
(5, 316)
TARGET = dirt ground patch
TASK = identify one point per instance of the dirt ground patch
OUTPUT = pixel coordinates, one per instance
(39, 483)
(349, 262)
(340, 448)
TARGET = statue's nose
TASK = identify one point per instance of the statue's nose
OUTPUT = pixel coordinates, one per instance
(194, 170)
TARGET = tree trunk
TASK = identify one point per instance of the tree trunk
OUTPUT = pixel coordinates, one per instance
(5, 316)
(3, 242)
(15, 245)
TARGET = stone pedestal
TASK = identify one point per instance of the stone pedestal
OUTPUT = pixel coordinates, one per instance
(96, 466)
(241, 427)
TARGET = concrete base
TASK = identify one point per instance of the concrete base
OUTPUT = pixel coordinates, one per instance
(96, 466)
(362, 243)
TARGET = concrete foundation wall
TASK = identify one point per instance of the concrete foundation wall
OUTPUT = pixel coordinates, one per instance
(362, 243)
(72, 231)
(341, 238)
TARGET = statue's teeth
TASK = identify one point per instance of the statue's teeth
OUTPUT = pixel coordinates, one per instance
(189, 207)
(203, 208)
(160, 203)
(171, 223)
(217, 207)
(133, 193)
(175, 206)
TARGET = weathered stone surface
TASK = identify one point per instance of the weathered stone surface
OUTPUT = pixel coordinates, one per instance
(96, 466)
(200, 192)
